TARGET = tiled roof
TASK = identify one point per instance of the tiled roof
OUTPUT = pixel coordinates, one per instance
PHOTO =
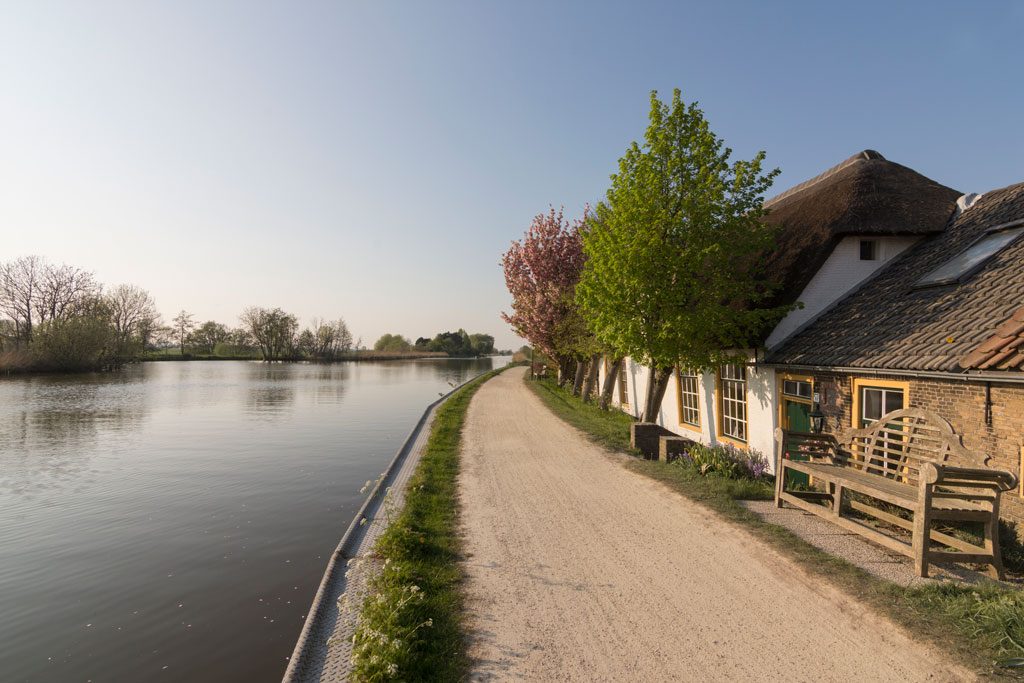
(889, 324)
(1004, 350)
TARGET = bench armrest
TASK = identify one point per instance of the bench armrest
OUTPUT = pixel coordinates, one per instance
(948, 475)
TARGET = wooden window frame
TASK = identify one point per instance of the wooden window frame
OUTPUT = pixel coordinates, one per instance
(720, 412)
(679, 400)
(623, 385)
(859, 383)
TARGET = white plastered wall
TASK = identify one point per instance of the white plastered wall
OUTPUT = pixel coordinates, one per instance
(842, 271)
(762, 410)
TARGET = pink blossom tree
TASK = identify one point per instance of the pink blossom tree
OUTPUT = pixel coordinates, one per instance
(541, 272)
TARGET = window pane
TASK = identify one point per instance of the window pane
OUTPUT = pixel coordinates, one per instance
(792, 387)
(893, 400)
(871, 404)
(970, 258)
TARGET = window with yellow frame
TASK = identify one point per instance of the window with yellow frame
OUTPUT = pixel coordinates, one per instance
(732, 403)
(873, 398)
(688, 398)
(624, 384)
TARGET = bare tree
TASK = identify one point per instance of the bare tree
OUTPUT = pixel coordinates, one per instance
(64, 292)
(329, 338)
(20, 282)
(183, 323)
(273, 329)
(133, 315)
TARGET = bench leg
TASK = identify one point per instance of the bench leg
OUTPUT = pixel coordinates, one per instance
(780, 482)
(922, 530)
(992, 543)
(837, 499)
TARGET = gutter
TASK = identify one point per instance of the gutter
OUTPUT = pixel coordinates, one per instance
(970, 376)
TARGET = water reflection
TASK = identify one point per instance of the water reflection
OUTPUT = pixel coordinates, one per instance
(51, 425)
(174, 520)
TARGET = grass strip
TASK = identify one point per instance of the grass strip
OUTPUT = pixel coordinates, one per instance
(410, 626)
(982, 626)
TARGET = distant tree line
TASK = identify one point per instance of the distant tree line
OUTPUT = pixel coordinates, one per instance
(60, 318)
(459, 344)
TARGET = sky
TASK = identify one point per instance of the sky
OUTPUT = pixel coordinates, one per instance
(373, 160)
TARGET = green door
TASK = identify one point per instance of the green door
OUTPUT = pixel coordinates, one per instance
(797, 416)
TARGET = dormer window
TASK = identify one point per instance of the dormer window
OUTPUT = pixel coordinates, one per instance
(971, 259)
(868, 250)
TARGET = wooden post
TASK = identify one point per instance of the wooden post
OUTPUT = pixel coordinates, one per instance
(921, 540)
(992, 542)
(780, 468)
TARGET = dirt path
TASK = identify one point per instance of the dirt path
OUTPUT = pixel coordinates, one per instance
(581, 570)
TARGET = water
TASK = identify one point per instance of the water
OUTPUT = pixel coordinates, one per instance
(172, 521)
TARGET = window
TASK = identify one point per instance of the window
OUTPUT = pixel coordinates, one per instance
(732, 402)
(873, 398)
(623, 386)
(878, 401)
(797, 388)
(868, 250)
(687, 388)
(967, 262)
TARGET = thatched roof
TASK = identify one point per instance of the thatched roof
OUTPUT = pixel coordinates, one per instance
(892, 323)
(864, 195)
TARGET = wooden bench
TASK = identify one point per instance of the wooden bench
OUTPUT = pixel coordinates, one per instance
(911, 459)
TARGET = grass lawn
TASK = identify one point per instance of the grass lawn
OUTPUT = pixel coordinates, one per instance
(411, 625)
(982, 626)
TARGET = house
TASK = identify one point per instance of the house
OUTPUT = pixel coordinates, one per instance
(940, 328)
(836, 231)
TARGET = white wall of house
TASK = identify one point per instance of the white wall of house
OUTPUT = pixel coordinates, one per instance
(762, 406)
(842, 272)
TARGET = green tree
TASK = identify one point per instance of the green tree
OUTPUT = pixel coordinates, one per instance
(481, 344)
(208, 335)
(392, 342)
(670, 276)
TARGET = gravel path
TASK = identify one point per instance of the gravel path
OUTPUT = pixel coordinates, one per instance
(579, 569)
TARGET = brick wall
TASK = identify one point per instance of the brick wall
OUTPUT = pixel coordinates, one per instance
(960, 402)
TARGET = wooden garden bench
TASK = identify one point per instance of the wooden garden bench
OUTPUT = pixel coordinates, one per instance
(910, 459)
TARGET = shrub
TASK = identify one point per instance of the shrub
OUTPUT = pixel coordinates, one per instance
(725, 461)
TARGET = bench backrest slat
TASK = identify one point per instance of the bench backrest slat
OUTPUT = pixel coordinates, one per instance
(899, 443)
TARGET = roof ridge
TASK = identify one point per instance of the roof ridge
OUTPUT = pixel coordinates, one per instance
(865, 155)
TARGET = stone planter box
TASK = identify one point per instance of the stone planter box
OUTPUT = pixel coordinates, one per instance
(671, 447)
(645, 436)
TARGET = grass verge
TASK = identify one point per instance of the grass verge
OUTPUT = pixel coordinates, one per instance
(982, 626)
(410, 627)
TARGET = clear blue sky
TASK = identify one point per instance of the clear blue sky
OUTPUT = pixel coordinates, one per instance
(374, 159)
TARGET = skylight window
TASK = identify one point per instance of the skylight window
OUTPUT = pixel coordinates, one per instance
(967, 262)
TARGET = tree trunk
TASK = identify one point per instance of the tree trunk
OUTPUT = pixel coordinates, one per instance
(609, 383)
(581, 373)
(592, 374)
(656, 392)
(564, 370)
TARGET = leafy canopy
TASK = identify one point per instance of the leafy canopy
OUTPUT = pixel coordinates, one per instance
(671, 253)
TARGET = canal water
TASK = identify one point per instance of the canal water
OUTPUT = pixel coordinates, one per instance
(171, 522)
